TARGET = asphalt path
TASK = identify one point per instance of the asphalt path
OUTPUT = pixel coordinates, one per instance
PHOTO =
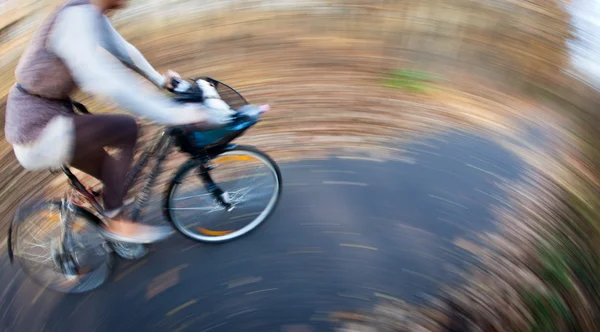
(348, 232)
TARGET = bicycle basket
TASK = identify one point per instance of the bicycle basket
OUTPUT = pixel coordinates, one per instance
(228, 94)
(192, 141)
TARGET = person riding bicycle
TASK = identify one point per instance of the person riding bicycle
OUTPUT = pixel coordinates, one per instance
(76, 46)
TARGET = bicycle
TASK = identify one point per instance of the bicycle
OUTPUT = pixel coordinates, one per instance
(80, 259)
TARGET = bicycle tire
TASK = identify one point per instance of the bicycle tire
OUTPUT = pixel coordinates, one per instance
(194, 163)
(79, 213)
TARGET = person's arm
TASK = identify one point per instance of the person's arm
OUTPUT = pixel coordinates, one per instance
(114, 43)
(74, 40)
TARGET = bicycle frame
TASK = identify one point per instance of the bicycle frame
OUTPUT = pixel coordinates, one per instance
(159, 149)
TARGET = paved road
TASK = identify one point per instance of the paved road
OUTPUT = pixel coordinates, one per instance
(346, 234)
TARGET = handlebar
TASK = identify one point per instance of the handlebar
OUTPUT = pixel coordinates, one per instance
(184, 91)
(189, 91)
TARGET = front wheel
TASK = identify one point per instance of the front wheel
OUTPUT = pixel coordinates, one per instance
(251, 182)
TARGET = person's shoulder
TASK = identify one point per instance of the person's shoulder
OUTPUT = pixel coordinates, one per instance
(77, 20)
(80, 12)
(78, 17)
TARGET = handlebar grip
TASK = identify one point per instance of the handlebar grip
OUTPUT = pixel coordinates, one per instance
(179, 85)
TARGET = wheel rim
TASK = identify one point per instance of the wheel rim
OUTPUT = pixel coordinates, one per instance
(36, 246)
(241, 197)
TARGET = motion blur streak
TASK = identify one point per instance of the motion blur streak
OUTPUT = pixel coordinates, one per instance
(440, 170)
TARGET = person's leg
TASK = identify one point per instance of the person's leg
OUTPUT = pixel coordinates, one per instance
(92, 134)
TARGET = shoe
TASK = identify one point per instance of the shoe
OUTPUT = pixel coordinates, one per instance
(129, 251)
(132, 232)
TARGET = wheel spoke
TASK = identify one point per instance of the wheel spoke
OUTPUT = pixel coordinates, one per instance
(192, 196)
(33, 236)
(36, 245)
(193, 208)
(36, 253)
(35, 258)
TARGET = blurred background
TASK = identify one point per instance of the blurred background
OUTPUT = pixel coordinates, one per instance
(440, 163)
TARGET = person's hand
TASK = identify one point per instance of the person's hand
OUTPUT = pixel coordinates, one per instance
(198, 116)
(168, 77)
(219, 117)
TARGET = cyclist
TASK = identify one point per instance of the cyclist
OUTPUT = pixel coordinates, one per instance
(76, 46)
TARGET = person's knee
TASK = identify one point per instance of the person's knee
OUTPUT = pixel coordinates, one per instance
(130, 128)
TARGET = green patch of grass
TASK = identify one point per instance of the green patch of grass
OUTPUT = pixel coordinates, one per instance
(560, 267)
(555, 270)
(547, 311)
(410, 80)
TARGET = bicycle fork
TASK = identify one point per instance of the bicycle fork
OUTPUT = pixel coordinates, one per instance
(218, 193)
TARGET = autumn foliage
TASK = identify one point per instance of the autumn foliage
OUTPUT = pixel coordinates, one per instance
(514, 46)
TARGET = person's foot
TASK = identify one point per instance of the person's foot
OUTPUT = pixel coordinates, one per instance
(123, 230)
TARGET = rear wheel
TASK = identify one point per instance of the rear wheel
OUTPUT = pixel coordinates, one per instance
(35, 243)
(251, 181)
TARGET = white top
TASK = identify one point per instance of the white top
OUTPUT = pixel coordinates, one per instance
(80, 35)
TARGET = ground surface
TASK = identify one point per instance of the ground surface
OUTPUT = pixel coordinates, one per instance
(347, 233)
